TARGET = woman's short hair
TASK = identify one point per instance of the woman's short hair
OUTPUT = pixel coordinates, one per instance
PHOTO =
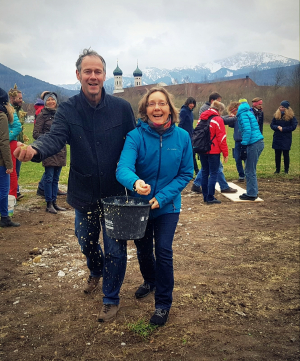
(220, 107)
(144, 102)
(233, 106)
(189, 101)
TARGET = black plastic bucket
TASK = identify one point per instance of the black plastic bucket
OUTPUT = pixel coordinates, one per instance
(125, 217)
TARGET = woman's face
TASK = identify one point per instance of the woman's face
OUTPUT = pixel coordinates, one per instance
(158, 109)
(50, 103)
(281, 108)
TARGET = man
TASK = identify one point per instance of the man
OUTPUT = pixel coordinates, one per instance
(257, 106)
(186, 122)
(196, 187)
(95, 125)
(16, 100)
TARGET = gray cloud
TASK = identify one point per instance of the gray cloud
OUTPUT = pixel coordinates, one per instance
(43, 39)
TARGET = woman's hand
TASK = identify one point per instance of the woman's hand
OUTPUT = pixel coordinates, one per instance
(154, 203)
(10, 170)
(225, 159)
(142, 188)
(279, 128)
(24, 152)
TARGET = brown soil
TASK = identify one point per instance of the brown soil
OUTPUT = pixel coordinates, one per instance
(236, 293)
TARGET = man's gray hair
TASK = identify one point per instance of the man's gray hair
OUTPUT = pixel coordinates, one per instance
(89, 52)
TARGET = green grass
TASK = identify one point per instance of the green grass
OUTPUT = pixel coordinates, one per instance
(31, 172)
(142, 328)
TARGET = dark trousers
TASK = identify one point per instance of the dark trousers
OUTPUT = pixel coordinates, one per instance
(286, 159)
(157, 270)
(196, 168)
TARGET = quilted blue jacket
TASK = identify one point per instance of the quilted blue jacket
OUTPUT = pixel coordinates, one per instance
(163, 161)
(14, 128)
(248, 125)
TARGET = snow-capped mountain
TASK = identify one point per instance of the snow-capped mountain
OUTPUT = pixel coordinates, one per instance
(243, 63)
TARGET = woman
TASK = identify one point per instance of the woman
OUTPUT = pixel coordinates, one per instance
(157, 163)
(283, 124)
(6, 163)
(251, 147)
(186, 122)
(210, 161)
(54, 163)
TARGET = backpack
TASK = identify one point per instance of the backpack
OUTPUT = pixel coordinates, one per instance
(201, 141)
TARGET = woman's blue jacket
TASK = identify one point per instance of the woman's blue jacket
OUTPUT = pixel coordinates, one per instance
(165, 162)
(248, 125)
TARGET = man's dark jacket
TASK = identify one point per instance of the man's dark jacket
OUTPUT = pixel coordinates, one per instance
(96, 136)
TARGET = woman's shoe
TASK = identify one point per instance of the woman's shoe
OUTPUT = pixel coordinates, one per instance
(50, 208)
(58, 208)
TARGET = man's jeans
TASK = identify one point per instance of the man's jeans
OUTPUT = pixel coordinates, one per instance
(4, 190)
(210, 170)
(42, 182)
(112, 266)
(253, 152)
(158, 271)
(220, 178)
(238, 161)
(51, 183)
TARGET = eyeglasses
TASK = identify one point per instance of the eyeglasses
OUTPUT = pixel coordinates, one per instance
(160, 104)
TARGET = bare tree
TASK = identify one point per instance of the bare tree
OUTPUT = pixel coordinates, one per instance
(279, 78)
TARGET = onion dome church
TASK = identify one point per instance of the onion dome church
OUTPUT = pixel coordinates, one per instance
(118, 74)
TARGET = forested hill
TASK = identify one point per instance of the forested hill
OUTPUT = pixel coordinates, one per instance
(31, 87)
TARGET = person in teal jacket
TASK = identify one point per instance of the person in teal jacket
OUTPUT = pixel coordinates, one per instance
(157, 164)
(14, 130)
(251, 147)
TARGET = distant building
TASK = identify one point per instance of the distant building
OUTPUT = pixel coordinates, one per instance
(118, 88)
(137, 76)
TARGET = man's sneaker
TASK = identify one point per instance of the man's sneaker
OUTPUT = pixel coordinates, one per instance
(40, 192)
(214, 201)
(160, 317)
(61, 193)
(108, 312)
(241, 179)
(245, 197)
(19, 196)
(93, 283)
(196, 189)
(144, 290)
(229, 190)
(7, 222)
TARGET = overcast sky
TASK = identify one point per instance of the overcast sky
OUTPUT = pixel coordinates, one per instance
(44, 38)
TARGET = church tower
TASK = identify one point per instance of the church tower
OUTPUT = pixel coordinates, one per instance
(118, 88)
(137, 76)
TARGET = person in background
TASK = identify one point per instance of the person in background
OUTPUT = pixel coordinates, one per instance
(257, 109)
(6, 164)
(156, 163)
(251, 147)
(15, 128)
(38, 106)
(210, 161)
(95, 125)
(196, 187)
(231, 120)
(283, 124)
(186, 122)
(16, 100)
(53, 164)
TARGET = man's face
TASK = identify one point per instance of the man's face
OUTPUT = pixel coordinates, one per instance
(191, 106)
(18, 100)
(259, 106)
(91, 77)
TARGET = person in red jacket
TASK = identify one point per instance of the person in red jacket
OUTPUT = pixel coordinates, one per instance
(211, 160)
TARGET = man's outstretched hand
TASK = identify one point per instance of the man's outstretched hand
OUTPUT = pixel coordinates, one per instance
(24, 152)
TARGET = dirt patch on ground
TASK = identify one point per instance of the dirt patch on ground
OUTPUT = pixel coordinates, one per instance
(236, 293)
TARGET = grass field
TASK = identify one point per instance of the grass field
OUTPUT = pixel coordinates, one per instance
(31, 172)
